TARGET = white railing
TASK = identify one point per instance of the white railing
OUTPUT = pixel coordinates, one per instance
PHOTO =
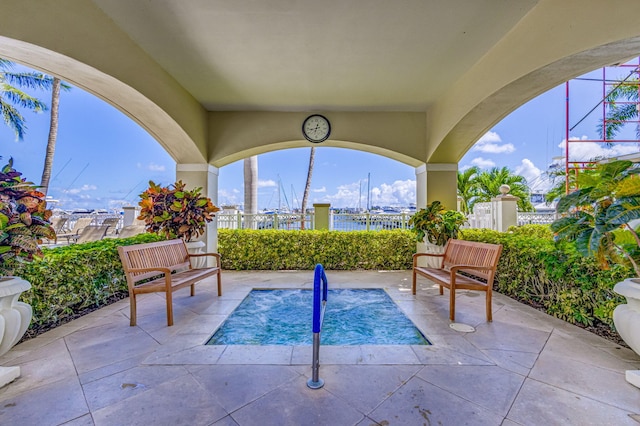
(240, 220)
(368, 221)
(482, 217)
(527, 218)
(337, 221)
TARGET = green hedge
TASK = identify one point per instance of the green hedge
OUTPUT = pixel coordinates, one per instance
(533, 268)
(553, 275)
(338, 250)
(71, 278)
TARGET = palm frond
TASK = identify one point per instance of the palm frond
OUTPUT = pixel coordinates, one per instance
(13, 119)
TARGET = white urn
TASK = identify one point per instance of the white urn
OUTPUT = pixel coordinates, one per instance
(15, 317)
(196, 247)
(427, 247)
(626, 318)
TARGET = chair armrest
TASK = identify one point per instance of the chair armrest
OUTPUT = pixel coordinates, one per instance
(157, 268)
(417, 255)
(216, 255)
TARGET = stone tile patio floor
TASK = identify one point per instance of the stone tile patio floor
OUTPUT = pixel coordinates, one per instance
(524, 368)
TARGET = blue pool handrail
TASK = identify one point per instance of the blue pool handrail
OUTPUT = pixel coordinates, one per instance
(319, 306)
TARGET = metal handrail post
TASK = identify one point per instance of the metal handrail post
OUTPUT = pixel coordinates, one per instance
(319, 305)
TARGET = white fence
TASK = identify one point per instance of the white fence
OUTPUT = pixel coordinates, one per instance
(484, 216)
(337, 221)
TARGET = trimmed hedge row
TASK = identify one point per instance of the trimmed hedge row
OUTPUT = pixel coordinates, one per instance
(338, 250)
(533, 268)
(569, 286)
(71, 278)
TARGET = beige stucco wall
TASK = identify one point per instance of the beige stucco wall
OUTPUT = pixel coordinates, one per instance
(74, 40)
(554, 42)
(236, 135)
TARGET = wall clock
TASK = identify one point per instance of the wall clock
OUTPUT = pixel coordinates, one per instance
(316, 128)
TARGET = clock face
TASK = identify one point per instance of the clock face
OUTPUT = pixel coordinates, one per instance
(316, 128)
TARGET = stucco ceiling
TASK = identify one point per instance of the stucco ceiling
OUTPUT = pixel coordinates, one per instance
(297, 55)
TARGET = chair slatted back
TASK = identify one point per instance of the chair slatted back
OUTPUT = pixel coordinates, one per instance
(170, 254)
(460, 252)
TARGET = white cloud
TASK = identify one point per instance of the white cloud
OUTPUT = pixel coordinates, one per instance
(398, 193)
(585, 151)
(491, 143)
(156, 167)
(323, 189)
(266, 183)
(228, 198)
(489, 137)
(151, 167)
(537, 180)
(483, 163)
(83, 188)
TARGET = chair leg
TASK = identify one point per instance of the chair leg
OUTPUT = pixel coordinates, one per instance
(132, 309)
(219, 283)
(169, 309)
(413, 288)
(489, 313)
(452, 305)
(193, 289)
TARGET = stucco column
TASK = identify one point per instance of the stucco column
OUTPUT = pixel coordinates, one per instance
(442, 184)
(130, 215)
(421, 187)
(321, 214)
(505, 209)
(206, 177)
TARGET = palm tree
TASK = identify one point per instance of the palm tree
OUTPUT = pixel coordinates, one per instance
(307, 187)
(489, 183)
(12, 98)
(607, 204)
(622, 108)
(251, 187)
(53, 136)
(468, 188)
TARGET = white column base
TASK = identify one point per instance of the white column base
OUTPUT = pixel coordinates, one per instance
(8, 375)
(633, 377)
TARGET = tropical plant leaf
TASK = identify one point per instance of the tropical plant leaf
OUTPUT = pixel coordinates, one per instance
(580, 197)
(624, 211)
(629, 186)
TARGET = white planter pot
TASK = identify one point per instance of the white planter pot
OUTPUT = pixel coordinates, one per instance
(626, 318)
(197, 247)
(15, 317)
(427, 247)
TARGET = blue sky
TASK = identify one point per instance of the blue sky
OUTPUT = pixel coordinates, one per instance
(104, 160)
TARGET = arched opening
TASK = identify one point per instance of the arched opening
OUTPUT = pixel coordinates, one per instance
(345, 178)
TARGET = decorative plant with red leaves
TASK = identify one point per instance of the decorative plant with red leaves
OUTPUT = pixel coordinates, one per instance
(24, 218)
(175, 212)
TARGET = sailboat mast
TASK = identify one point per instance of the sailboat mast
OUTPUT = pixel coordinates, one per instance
(368, 190)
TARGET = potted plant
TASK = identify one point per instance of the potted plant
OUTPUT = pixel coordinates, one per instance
(601, 218)
(176, 212)
(433, 226)
(24, 222)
